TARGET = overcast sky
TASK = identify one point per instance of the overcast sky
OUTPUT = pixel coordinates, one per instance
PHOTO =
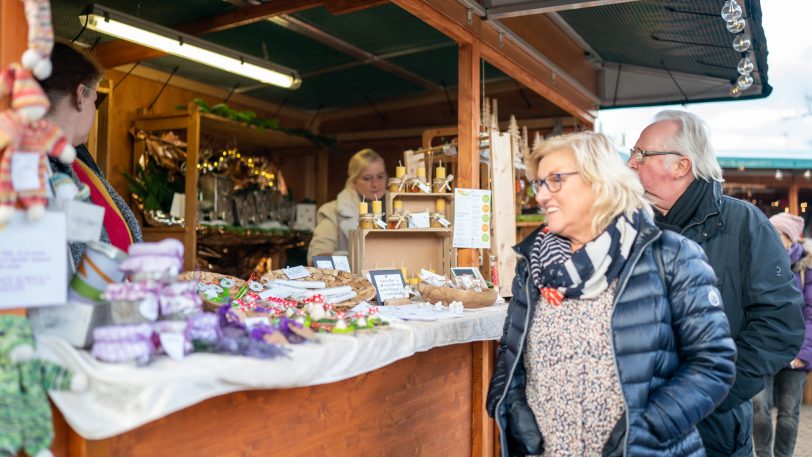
(771, 124)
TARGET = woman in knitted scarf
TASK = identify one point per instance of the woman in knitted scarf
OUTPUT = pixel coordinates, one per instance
(615, 342)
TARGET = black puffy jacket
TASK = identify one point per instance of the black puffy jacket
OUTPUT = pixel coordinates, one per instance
(673, 351)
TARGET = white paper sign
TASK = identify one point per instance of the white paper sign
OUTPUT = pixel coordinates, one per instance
(33, 261)
(296, 272)
(419, 220)
(84, 220)
(472, 218)
(25, 170)
(381, 224)
(389, 284)
(342, 263)
(173, 344)
(178, 208)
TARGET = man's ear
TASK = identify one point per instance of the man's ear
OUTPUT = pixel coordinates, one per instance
(682, 167)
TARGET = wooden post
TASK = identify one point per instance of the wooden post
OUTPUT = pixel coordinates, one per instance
(190, 215)
(13, 32)
(468, 131)
(794, 188)
(13, 42)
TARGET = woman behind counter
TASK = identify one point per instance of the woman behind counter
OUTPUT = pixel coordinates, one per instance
(366, 178)
(615, 341)
(71, 90)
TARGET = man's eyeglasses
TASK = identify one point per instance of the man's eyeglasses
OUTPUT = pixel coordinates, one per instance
(639, 155)
(553, 182)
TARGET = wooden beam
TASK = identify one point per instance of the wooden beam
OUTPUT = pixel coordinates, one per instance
(530, 68)
(120, 52)
(409, 101)
(468, 131)
(351, 6)
(417, 132)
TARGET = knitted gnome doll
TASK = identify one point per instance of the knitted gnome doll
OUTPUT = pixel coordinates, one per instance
(37, 57)
(25, 140)
(25, 414)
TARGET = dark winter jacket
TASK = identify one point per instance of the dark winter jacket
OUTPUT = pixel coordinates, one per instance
(672, 346)
(802, 267)
(762, 304)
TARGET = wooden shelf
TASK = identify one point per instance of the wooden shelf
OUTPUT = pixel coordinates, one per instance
(446, 195)
(198, 127)
(437, 231)
(528, 223)
(248, 137)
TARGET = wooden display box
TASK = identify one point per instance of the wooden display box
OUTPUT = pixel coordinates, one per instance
(410, 248)
(420, 202)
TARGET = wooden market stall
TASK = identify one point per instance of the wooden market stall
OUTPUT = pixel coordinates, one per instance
(431, 403)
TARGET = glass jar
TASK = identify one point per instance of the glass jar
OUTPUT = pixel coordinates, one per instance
(365, 221)
(396, 185)
(439, 186)
(438, 220)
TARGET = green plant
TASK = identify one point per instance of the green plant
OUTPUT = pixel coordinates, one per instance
(251, 118)
(155, 186)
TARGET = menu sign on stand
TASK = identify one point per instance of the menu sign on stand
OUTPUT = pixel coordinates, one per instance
(33, 261)
(472, 218)
(389, 285)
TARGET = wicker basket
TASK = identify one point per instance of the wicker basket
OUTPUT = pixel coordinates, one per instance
(363, 289)
(209, 277)
(469, 298)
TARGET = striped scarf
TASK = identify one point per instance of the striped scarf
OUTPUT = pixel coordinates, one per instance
(587, 272)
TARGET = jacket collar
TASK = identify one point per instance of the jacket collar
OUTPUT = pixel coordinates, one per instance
(710, 205)
(347, 202)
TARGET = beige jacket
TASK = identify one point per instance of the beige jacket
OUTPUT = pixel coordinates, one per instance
(334, 221)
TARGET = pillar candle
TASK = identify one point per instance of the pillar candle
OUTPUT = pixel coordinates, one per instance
(421, 172)
(363, 208)
(400, 171)
(439, 205)
(377, 207)
(440, 172)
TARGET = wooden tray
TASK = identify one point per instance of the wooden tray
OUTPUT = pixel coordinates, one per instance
(334, 278)
(469, 298)
(210, 277)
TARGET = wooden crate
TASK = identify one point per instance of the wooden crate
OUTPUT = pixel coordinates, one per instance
(419, 202)
(410, 248)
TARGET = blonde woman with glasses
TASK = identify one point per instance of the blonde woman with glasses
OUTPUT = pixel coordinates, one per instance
(616, 342)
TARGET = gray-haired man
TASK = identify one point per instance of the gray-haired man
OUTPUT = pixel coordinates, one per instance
(675, 162)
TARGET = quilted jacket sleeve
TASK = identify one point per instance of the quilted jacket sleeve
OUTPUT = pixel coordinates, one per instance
(705, 349)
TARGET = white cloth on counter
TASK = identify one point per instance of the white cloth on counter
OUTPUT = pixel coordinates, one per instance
(123, 397)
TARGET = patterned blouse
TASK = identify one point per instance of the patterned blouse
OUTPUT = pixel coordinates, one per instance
(572, 385)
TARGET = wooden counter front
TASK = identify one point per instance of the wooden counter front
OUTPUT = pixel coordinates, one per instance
(421, 405)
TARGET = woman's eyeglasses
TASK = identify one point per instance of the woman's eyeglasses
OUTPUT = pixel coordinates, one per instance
(552, 182)
(639, 154)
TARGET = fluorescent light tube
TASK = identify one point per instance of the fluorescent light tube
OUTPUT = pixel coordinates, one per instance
(119, 25)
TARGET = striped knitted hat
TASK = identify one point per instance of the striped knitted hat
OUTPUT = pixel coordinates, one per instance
(26, 94)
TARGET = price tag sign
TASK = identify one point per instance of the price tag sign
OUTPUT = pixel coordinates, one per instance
(444, 222)
(389, 284)
(341, 262)
(419, 220)
(323, 261)
(380, 223)
(296, 272)
(84, 220)
(424, 188)
(25, 171)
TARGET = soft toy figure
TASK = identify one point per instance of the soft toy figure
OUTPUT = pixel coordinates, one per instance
(25, 140)
(23, 166)
(37, 57)
(25, 414)
(27, 98)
